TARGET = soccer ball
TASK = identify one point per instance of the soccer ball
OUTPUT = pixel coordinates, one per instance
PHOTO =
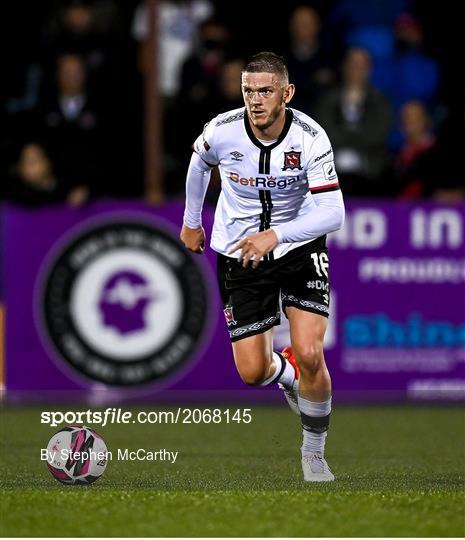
(77, 455)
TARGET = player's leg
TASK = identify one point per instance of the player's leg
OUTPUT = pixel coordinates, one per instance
(253, 356)
(257, 363)
(251, 308)
(307, 335)
(305, 300)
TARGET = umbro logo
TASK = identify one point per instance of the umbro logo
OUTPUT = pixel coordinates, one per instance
(237, 156)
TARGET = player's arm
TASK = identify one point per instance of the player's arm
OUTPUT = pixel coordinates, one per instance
(323, 183)
(328, 216)
(198, 177)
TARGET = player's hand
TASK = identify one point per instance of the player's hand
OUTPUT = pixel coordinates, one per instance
(193, 239)
(255, 246)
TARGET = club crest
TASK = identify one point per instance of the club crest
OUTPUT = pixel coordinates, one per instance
(292, 161)
(229, 316)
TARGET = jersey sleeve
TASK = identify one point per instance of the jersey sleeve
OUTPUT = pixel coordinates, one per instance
(204, 145)
(321, 172)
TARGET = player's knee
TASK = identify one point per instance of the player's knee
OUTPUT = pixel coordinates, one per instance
(310, 357)
(252, 376)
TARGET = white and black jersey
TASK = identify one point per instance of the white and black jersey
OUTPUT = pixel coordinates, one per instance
(265, 184)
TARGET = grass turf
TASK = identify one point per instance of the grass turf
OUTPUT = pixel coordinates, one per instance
(400, 472)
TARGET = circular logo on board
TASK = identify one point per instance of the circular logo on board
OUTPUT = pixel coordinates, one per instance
(125, 304)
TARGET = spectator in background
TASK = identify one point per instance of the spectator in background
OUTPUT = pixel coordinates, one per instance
(70, 122)
(413, 75)
(365, 24)
(178, 26)
(224, 94)
(198, 95)
(416, 166)
(309, 67)
(357, 119)
(417, 74)
(91, 30)
(402, 70)
(201, 70)
(229, 95)
(34, 183)
(178, 22)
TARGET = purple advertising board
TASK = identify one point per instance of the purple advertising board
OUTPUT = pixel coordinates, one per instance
(104, 299)
(399, 302)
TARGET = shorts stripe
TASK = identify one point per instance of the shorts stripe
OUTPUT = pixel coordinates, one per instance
(254, 328)
(305, 304)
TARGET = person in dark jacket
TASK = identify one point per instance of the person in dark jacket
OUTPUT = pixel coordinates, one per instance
(34, 182)
(357, 118)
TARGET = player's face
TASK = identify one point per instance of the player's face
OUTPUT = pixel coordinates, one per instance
(265, 97)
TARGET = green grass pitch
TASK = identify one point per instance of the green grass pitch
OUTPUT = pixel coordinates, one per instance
(400, 472)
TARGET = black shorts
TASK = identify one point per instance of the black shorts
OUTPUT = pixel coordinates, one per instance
(251, 295)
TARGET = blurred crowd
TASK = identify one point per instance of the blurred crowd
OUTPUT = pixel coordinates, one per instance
(376, 75)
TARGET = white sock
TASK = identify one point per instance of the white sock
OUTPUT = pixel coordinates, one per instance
(284, 372)
(313, 443)
(315, 423)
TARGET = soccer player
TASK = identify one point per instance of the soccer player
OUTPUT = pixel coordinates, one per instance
(280, 197)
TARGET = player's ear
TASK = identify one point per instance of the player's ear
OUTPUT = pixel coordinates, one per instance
(288, 93)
